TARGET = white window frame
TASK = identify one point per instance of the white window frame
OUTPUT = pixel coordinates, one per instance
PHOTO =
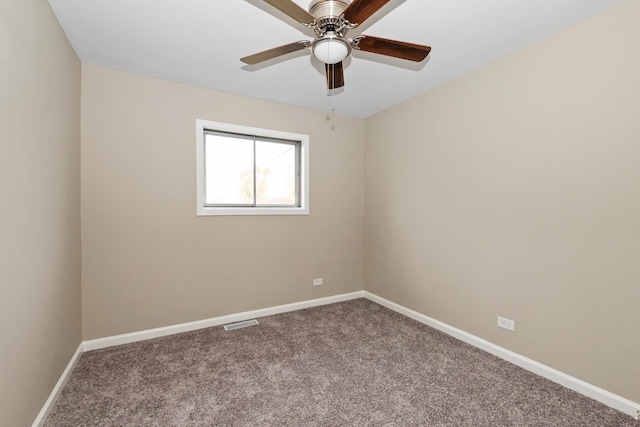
(203, 210)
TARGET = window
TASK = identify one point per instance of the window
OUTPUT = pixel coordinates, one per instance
(249, 171)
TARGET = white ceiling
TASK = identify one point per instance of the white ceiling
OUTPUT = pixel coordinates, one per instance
(200, 42)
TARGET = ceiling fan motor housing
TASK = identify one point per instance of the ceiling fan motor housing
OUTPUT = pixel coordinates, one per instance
(327, 8)
(328, 17)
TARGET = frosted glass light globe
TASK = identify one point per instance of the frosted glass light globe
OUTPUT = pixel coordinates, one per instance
(331, 50)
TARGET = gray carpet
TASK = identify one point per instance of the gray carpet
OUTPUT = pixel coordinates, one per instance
(347, 364)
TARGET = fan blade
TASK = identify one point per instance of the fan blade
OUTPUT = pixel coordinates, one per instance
(402, 50)
(335, 75)
(275, 52)
(359, 10)
(293, 10)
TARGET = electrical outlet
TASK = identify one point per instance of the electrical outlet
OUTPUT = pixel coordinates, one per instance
(317, 282)
(507, 324)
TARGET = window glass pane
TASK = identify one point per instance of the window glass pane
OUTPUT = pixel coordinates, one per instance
(275, 173)
(229, 169)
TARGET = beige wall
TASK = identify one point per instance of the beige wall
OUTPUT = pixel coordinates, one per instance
(515, 191)
(40, 264)
(149, 261)
(512, 191)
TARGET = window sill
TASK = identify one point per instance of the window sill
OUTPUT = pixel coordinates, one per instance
(208, 211)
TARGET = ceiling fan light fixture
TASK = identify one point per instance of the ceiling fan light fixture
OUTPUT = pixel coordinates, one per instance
(331, 49)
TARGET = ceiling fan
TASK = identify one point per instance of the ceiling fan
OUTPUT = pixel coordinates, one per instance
(330, 20)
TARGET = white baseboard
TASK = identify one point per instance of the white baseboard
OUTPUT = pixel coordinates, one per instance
(175, 329)
(582, 387)
(216, 321)
(48, 405)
